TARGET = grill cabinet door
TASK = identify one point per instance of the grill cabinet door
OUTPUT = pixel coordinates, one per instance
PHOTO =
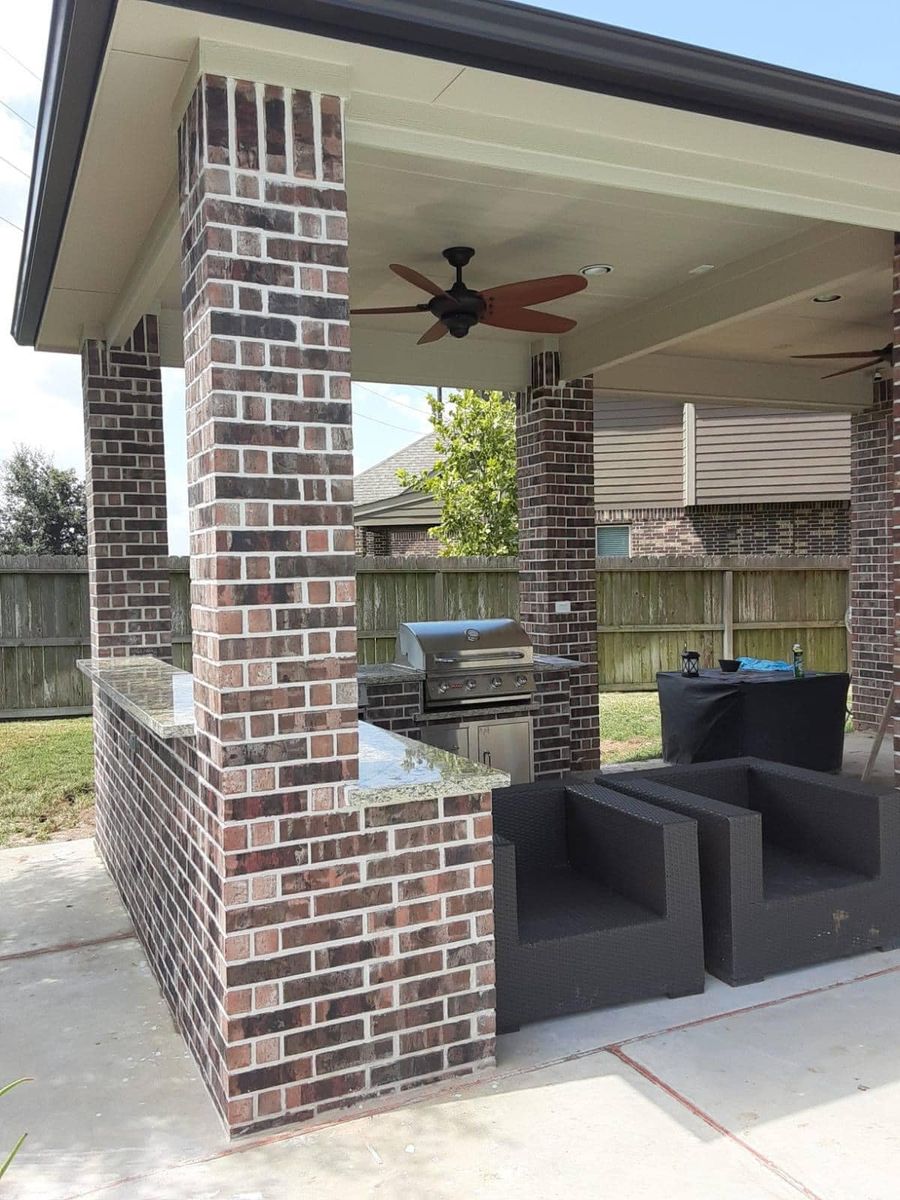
(455, 738)
(506, 745)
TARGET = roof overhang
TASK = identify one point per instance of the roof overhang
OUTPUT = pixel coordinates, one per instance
(551, 109)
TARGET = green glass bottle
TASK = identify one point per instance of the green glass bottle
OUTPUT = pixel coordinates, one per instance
(798, 661)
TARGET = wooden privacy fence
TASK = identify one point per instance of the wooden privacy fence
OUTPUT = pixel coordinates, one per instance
(725, 608)
(647, 610)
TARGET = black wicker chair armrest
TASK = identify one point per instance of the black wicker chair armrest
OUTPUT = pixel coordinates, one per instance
(730, 837)
(627, 843)
(506, 901)
(841, 820)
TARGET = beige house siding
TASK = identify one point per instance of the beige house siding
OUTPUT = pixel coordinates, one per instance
(638, 453)
(658, 453)
(764, 455)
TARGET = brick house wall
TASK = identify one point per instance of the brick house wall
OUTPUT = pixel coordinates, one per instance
(816, 528)
(396, 541)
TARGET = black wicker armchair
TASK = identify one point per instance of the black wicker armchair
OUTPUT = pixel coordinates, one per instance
(596, 900)
(797, 867)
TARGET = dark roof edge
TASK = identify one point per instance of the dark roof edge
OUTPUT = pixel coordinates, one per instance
(495, 35)
(79, 30)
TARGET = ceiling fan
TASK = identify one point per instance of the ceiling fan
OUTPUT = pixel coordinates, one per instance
(885, 354)
(459, 308)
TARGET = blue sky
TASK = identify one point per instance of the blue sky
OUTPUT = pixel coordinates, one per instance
(40, 400)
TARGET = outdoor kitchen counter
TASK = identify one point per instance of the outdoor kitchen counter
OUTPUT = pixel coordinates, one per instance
(154, 692)
(394, 769)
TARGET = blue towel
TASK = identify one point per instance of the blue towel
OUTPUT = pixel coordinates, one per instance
(764, 664)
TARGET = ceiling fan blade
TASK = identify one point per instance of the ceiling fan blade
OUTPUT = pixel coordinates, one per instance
(437, 331)
(845, 354)
(534, 291)
(527, 320)
(416, 279)
(849, 370)
(409, 308)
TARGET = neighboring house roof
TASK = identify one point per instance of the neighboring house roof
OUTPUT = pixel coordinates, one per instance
(381, 483)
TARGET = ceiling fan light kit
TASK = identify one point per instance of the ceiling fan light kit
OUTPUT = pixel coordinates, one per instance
(458, 308)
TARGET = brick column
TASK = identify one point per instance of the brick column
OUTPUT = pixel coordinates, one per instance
(125, 485)
(557, 549)
(354, 951)
(871, 558)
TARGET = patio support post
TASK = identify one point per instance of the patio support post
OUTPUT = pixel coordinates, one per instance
(871, 557)
(557, 548)
(125, 488)
(270, 475)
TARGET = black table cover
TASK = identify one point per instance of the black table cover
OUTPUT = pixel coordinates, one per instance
(767, 714)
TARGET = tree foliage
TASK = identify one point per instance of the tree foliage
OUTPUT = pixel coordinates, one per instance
(42, 508)
(474, 478)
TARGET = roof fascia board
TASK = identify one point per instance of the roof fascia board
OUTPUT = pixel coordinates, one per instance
(519, 39)
(79, 32)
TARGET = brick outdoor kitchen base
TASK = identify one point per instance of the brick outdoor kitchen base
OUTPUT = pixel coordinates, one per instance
(311, 959)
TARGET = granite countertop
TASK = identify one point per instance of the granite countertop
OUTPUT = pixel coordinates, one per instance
(553, 662)
(154, 692)
(390, 672)
(394, 769)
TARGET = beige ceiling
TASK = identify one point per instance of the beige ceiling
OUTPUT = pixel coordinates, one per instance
(538, 178)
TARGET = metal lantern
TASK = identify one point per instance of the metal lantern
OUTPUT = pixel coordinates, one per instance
(690, 663)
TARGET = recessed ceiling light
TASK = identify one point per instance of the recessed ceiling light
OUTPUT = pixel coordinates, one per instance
(827, 298)
(702, 269)
(597, 269)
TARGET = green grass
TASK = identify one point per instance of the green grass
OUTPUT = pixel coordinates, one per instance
(46, 778)
(629, 727)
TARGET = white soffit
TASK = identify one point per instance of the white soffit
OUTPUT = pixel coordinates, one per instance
(439, 155)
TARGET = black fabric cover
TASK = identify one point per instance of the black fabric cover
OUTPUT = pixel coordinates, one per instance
(766, 714)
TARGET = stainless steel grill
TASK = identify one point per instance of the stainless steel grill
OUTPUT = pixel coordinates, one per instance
(469, 662)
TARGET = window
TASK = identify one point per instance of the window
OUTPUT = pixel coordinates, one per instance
(613, 541)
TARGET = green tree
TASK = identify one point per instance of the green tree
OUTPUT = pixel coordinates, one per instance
(474, 478)
(42, 508)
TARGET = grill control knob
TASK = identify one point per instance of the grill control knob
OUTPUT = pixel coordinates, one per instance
(443, 687)
(521, 680)
(470, 685)
(496, 681)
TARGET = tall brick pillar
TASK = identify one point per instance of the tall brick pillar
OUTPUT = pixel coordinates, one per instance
(270, 473)
(871, 557)
(557, 547)
(125, 484)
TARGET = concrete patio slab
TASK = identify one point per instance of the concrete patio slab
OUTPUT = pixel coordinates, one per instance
(55, 894)
(791, 1095)
(813, 1085)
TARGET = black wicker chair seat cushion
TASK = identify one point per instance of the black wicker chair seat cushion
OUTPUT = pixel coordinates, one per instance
(563, 903)
(796, 866)
(788, 872)
(596, 901)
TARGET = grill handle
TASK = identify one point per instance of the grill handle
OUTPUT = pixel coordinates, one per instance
(489, 654)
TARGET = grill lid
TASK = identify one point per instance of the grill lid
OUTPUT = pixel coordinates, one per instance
(441, 645)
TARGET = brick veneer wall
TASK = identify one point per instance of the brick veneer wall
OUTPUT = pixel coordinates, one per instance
(394, 706)
(871, 561)
(125, 488)
(555, 471)
(308, 959)
(782, 528)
